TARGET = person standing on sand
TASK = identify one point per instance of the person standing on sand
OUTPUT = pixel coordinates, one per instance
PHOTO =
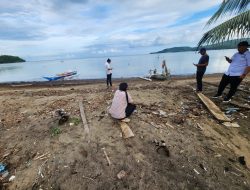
(108, 72)
(238, 69)
(201, 68)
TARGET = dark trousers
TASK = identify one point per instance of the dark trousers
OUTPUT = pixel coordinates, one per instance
(109, 79)
(234, 82)
(199, 76)
(130, 109)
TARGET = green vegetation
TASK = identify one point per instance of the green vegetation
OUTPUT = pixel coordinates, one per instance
(230, 44)
(54, 131)
(236, 27)
(75, 120)
(10, 59)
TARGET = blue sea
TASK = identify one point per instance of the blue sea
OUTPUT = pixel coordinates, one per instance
(123, 66)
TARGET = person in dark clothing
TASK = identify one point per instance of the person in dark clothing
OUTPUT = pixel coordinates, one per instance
(201, 68)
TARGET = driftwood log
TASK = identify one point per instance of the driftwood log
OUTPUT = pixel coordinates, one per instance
(126, 131)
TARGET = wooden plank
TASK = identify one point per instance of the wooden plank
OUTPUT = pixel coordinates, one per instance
(215, 110)
(127, 132)
(84, 120)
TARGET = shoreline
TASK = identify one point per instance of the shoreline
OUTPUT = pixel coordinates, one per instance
(92, 81)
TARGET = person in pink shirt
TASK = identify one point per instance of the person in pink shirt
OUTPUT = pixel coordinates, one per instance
(122, 106)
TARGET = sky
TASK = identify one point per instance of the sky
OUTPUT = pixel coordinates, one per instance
(65, 29)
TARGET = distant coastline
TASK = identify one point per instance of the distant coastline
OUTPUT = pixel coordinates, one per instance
(10, 59)
(230, 44)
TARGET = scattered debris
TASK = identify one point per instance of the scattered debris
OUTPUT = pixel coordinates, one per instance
(217, 155)
(162, 113)
(167, 124)
(2, 168)
(242, 161)
(196, 172)
(88, 178)
(200, 127)
(154, 125)
(41, 157)
(40, 169)
(202, 167)
(231, 124)
(64, 117)
(161, 145)
(231, 110)
(4, 174)
(106, 155)
(121, 174)
(12, 178)
(178, 119)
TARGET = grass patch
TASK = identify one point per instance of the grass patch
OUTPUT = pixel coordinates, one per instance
(54, 131)
(75, 120)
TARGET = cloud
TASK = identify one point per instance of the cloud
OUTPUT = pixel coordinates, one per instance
(59, 27)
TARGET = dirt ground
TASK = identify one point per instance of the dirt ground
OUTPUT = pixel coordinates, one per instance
(42, 154)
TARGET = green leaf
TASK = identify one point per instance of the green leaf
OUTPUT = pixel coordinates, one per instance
(230, 6)
(236, 27)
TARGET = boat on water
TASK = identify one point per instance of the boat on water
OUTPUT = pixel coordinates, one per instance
(61, 76)
(153, 75)
(67, 74)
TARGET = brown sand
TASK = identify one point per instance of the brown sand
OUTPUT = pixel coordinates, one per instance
(29, 129)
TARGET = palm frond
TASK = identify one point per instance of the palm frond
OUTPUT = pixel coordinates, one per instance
(230, 6)
(238, 26)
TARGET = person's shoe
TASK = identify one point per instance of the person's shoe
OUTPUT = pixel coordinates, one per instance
(217, 96)
(226, 100)
(198, 91)
(126, 120)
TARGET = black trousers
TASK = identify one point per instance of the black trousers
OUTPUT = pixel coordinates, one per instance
(199, 76)
(130, 109)
(234, 82)
(109, 79)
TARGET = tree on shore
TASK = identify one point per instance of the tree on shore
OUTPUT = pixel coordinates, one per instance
(236, 27)
(10, 59)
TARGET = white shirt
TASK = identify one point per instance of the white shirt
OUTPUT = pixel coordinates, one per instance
(238, 64)
(119, 104)
(107, 66)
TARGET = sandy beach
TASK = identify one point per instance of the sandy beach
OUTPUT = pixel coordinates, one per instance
(203, 153)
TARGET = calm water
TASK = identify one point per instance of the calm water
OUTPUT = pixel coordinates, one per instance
(123, 66)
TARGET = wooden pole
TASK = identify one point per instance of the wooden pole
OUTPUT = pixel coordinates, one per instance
(84, 120)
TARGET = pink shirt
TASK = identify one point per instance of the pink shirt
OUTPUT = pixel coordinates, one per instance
(119, 104)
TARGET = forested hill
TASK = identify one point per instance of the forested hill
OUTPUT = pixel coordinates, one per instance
(10, 59)
(230, 44)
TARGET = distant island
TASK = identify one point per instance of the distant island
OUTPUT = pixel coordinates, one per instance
(230, 44)
(10, 59)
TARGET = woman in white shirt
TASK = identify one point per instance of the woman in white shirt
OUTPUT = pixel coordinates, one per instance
(122, 106)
